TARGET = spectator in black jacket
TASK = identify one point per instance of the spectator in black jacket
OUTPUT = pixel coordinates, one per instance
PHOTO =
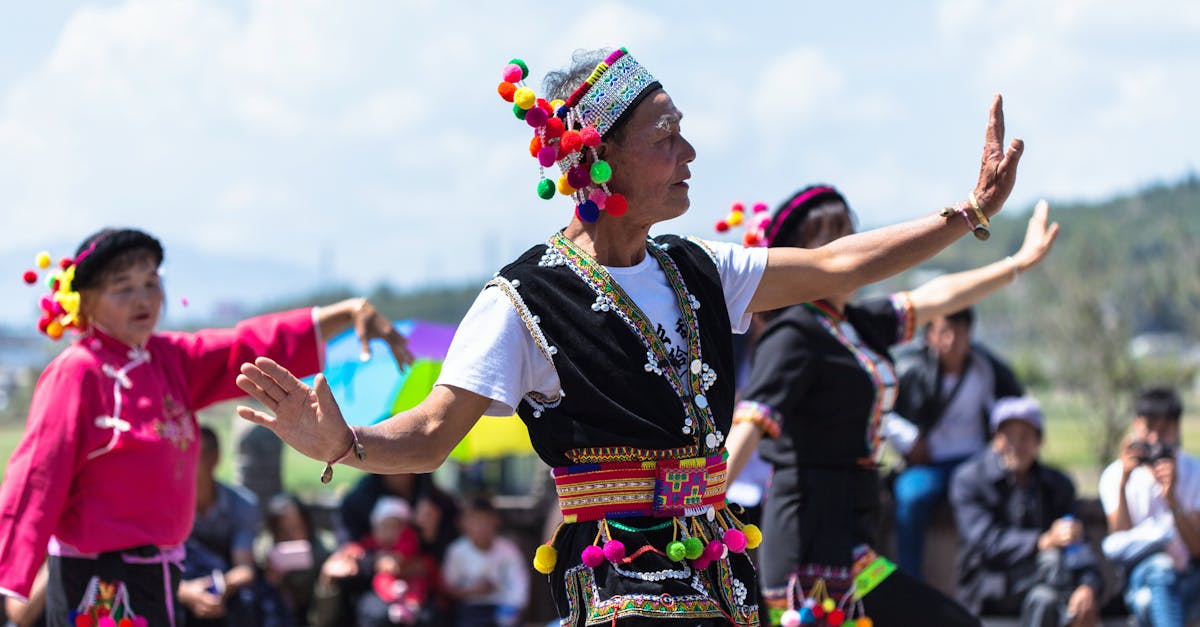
(1021, 547)
(941, 418)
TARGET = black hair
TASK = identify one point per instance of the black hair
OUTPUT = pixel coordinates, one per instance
(482, 504)
(966, 316)
(1158, 402)
(279, 505)
(112, 250)
(208, 439)
(787, 224)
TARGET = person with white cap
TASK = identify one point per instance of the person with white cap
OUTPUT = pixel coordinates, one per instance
(1021, 549)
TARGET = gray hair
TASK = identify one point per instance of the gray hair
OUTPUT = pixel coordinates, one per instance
(560, 84)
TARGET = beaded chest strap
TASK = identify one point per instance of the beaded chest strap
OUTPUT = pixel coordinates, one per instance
(664, 488)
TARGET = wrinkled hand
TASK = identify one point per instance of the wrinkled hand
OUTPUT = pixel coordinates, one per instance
(1039, 238)
(1082, 605)
(306, 418)
(369, 324)
(998, 168)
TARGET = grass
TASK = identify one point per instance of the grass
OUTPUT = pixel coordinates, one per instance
(1069, 445)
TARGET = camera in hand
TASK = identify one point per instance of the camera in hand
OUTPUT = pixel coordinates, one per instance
(1150, 452)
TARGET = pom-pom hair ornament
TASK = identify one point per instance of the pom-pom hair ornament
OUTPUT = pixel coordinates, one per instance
(60, 306)
(755, 223)
(569, 131)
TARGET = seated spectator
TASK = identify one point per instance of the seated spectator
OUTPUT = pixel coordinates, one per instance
(435, 512)
(1152, 498)
(402, 578)
(941, 418)
(293, 556)
(219, 577)
(485, 573)
(1021, 547)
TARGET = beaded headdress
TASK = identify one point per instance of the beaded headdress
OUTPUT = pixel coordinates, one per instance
(562, 130)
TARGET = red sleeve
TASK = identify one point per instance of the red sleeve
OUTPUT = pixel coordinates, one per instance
(211, 358)
(42, 468)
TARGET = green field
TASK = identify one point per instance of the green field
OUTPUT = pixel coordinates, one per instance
(1069, 445)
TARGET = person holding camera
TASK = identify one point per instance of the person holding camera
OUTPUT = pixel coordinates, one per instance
(1151, 496)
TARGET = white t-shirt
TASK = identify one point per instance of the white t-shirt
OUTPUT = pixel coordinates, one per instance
(1151, 517)
(494, 355)
(503, 565)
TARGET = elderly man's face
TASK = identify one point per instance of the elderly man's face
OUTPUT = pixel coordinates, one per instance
(650, 163)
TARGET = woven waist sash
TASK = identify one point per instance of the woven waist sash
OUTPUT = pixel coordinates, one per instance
(663, 488)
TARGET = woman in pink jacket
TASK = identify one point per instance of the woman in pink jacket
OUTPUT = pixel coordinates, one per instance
(104, 477)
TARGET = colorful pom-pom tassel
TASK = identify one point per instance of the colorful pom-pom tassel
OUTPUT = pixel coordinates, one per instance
(590, 136)
(578, 177)
(735, 540)
(519, 112)
(84, 620)
(790, 618)
(616, 205)
(506, 90)
(760, 207)
(614, 551)
(864, 621)
(106, 620)
(807, 616)
(554, 128)
(54, 330)
(65, 262)
(570, 142)
(140, 621)
(545, 558)
(42, 260)
(735, 218)
(43, 324)
(564, 187)
(601, 172)
(524, 98)
(598, 196)
(536, 117)
(694, 547)
(592, 556)
(817, 611)
(512, 73)
(521, 64)
(544, 106)
(836, 618)
(546, 156)
(721, 226)
(700, 563)
(753, 536)
(713, 550)
(828, 605)
(30, 277)
(675, 551)
(125, 622)
(545, 189)
(587, 211)
(535, 145)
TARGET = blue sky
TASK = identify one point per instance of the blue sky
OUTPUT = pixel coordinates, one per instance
(274, 145)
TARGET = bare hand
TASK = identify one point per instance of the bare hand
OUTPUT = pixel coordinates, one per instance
(1082, 606)
(339, 566)
(370, 324)
(1129, 458)
(1164, 474)
(194, 594)
(998, 168)
(919, 454)
(306, 418)
(1039, 238)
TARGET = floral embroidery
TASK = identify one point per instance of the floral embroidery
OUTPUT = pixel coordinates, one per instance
(176, 426)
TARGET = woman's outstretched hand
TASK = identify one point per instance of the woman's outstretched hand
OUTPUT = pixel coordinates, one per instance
(370, 324)
(1039, 238)
(998, 167)
(306, 418)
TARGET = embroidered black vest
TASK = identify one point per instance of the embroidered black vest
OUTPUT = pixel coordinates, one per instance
(613, 406)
